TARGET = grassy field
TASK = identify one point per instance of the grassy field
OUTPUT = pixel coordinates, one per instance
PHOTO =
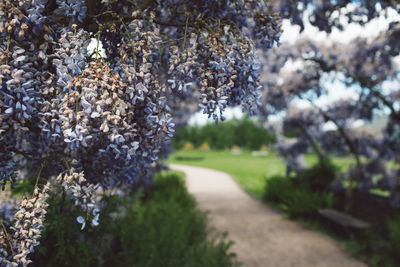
(249, 171)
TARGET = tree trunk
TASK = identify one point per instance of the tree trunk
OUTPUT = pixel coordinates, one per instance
(354, 151)
(360, 171)
(321, 154)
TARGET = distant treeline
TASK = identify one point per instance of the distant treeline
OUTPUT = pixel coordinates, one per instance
(243, 133)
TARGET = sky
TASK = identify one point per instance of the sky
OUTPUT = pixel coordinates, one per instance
(292, 33)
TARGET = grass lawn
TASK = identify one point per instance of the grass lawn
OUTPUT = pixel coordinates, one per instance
(249, 171)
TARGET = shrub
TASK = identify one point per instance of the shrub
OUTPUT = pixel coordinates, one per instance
(185, 134)
(235, 149)
(393, 226)
(297, 199)
(319, 176)
(251, 136)
(304, 202)
(277, 188)
(380, 245)
(204, 147)
(168, 231)
(188, 146)
(165, 230)
(63, 243)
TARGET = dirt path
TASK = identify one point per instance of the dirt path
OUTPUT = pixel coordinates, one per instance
(262, 237)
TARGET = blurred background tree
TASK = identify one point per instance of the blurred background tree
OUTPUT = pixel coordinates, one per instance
(245, 133)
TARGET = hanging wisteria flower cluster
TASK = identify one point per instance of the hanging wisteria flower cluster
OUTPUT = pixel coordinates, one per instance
(25, 232)
(71, 110)
(231, 72)
(83, 194)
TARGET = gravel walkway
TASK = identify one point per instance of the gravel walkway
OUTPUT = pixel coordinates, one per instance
(262, 236)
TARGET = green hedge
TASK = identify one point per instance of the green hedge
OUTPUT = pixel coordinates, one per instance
(165, 230)
(243, 133)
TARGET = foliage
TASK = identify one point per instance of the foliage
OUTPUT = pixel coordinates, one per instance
(393, 226)
(378, 246)
(298, 200)
(305, 194)
(204, 147)
(172, 232)
(241, 132)
(373, 247)
(166, 229)
(235, 149)
(64, 243)
(188, 146)
(320, 176)
(305, 202)
(277, 188)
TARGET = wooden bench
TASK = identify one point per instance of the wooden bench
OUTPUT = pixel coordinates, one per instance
(346, 221)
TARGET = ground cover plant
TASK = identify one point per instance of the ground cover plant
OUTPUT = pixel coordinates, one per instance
(164, 229)
(305, 194)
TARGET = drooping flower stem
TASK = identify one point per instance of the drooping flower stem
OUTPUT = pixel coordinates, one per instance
(40, 172)
(7, 236)
(8, 47)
